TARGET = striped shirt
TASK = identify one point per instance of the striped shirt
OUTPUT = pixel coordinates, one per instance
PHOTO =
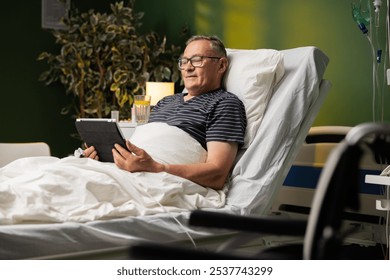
(214, 116)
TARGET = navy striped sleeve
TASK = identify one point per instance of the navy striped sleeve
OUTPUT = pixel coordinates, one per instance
(227, 122)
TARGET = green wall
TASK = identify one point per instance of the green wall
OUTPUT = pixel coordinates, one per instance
(30, 111)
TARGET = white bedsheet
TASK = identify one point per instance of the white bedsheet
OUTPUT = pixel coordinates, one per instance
(49, 189)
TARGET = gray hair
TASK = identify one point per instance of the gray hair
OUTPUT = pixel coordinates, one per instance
(216, 43)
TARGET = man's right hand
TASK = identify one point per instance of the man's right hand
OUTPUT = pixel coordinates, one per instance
(90, 152)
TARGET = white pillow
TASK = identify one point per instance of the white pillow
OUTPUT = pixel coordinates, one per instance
(168, 144)
(252, 75)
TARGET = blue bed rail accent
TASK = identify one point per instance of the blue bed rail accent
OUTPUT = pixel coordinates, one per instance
(307, 177)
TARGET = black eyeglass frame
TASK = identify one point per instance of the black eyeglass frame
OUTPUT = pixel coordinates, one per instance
(180, 60)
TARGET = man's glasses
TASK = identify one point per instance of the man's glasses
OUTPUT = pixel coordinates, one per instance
(196, 61)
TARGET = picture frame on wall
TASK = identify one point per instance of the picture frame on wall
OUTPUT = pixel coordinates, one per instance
(52, 13)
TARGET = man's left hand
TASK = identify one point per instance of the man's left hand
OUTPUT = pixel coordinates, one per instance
(135, 159)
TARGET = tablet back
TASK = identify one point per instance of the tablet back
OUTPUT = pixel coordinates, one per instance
(102, 134)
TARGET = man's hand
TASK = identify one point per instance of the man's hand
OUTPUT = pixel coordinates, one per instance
(90, 152)
(212, 173)
(135, 159)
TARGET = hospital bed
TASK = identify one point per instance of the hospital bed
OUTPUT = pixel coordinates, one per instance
(291, 88)
(296, 195)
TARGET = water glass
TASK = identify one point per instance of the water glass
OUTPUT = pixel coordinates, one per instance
(141, 108)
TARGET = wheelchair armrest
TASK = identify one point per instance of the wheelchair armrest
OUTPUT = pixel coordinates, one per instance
(157, 251)
(269, 225)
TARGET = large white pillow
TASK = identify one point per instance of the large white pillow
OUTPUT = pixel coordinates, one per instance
(168, 144)
(252, 75)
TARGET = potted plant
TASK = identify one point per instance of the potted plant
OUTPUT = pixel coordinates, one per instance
(103, 61)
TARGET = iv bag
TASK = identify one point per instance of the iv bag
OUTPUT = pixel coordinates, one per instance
(361, 14)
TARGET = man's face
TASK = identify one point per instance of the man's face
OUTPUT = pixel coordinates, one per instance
(198, 80)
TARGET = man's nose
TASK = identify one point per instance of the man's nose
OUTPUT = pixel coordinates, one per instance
(188, 67)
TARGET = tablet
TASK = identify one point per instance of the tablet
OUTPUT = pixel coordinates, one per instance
(102, 134)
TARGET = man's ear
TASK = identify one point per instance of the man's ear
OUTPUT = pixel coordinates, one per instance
(223, 64)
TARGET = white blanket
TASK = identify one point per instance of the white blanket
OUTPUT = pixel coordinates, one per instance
(49, 189)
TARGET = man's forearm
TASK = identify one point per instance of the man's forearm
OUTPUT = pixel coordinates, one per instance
(204, 174)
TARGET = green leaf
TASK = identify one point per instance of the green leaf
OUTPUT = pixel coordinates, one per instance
(94, 19)
(44, 55)
(167, 73)
(118, 93)
(114, 87)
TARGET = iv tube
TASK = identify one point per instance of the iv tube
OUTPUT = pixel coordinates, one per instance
(377, 4)
(363, 14)
(375, 83)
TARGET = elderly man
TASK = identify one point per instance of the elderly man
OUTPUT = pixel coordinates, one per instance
(211, 115)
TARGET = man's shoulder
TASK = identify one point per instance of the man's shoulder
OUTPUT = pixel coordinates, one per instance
(221, 100)
(229, 97)
(223, 94)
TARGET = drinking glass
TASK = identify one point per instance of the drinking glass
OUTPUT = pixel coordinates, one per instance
(142, 108)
